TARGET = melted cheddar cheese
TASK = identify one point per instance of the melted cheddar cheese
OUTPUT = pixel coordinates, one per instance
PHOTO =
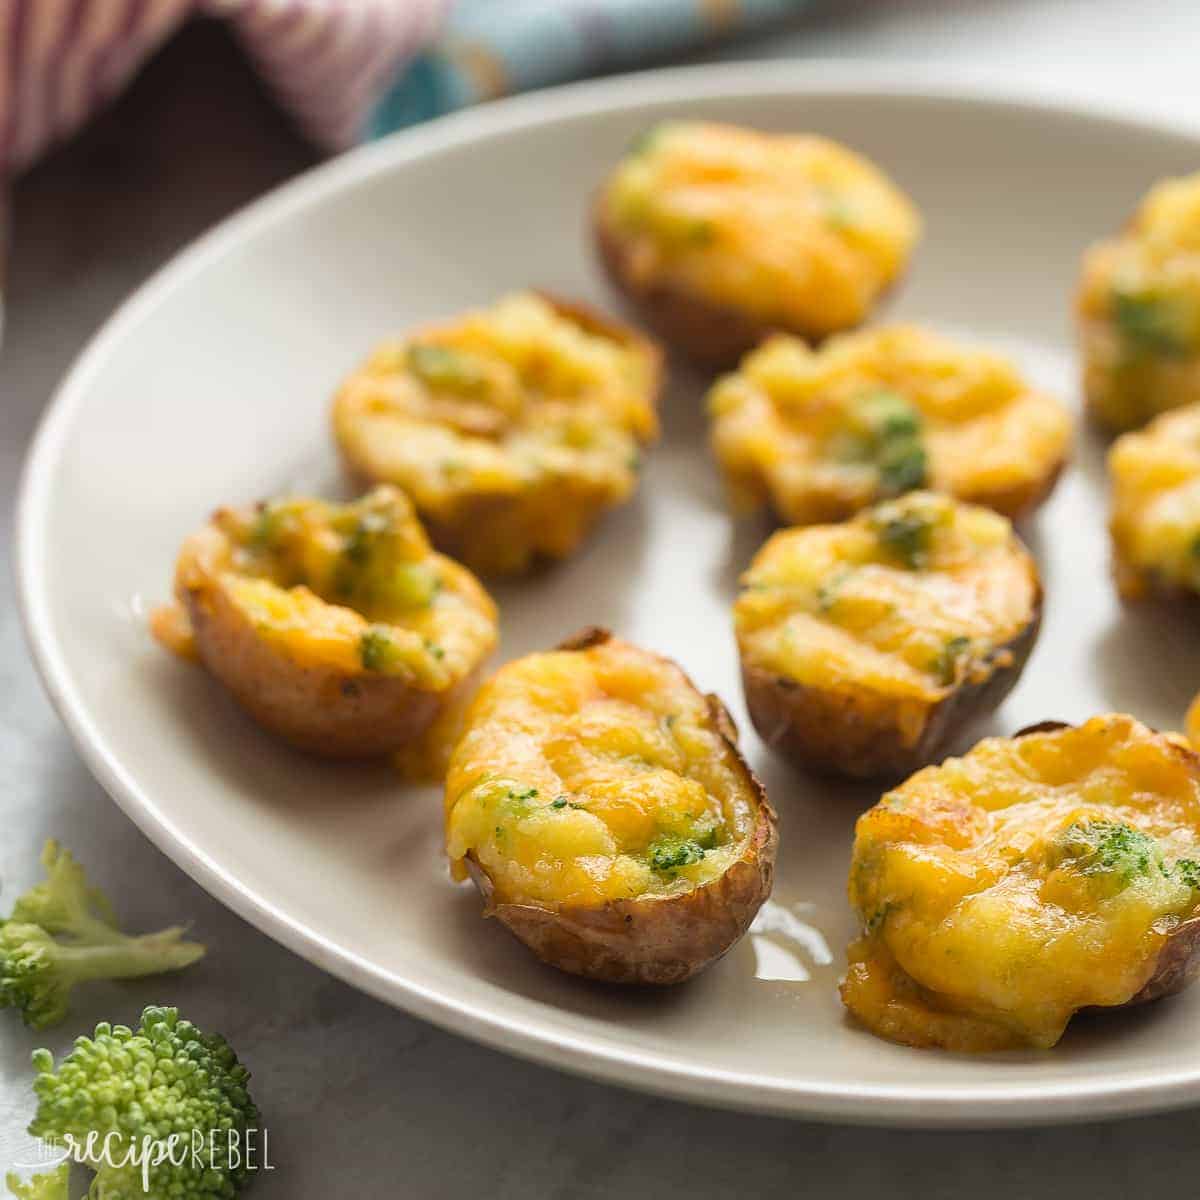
(910, 600)
(797, 231)
(351, 587)
(819, 434)
(1003, 891)
(1155, 521)
(511, 428)
(1138, 309)
(591, 775)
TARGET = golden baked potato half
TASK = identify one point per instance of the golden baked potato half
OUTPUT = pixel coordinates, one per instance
(512, 428)
(719, 235)
(333, 625)
(600, 804)
(1002, 892)
(1138, 310)
(866, 646)
(818, 434)
(1155, 521)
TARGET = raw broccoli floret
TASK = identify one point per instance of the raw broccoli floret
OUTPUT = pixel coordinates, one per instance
(49, 1185)
(141, 1094)
(63, 932)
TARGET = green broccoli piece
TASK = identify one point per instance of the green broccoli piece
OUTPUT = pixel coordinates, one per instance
(890, 415)
(902, 466)
(377, 649)
(275, 520)
(1188, 871)
(412, 585)
(50, 1185)
(63, 932)
(893, 441)
(906, 534)
(1117, 853)
(368, 531)
(945, 665)
(445, 369)
(1152, 324)
(669, 853)
(163, 1089)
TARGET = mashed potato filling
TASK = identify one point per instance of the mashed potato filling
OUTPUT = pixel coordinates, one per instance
(354, 587)
(509, 428)
(912, 598)
(1155, 521)
(593, 775)
(1139, 310)
(1003, 891)
(819, 434)
(796, 230)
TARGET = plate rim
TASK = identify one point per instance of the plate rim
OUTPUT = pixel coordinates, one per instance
(595, 1057)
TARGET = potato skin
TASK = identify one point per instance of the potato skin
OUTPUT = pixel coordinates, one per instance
(714, 336)
(517, 541)
(651, 940)
(1010, 965)
(321, 710)
(329, 707)
(1178, 963)
(855, 733)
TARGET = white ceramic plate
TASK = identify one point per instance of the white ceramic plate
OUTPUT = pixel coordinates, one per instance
(212, 385)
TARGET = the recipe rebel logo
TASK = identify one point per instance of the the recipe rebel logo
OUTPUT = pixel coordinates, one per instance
(224, 1150)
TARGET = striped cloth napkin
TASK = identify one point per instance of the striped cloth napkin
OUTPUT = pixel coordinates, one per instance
(345, 69)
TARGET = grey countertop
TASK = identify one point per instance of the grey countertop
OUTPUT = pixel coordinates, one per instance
(359, 1098)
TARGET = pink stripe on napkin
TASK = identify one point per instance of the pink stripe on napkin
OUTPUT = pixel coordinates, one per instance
(327, 60)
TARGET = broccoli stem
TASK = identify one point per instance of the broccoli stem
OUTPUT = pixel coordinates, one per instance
(126, 957)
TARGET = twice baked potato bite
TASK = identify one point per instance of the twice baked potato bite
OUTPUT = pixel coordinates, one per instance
(335, 626)
(817, 435)
(1002, 892)
(512, 428)
(600, 804)
(720, 235)
(865, 646)
(1155, 522)
(1138, 310)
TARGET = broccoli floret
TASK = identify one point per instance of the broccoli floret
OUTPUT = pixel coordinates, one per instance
(444, 368)
(906, 534)
(49, 1185)
(1151, 323)
(1118, 853)
(63, 932)
(368, 531)
(275, 519)
(1188, 871)
(945, 665)
(902, 466)
(377, 649)
(163, 1088)
(670, 853)
(893, 429)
